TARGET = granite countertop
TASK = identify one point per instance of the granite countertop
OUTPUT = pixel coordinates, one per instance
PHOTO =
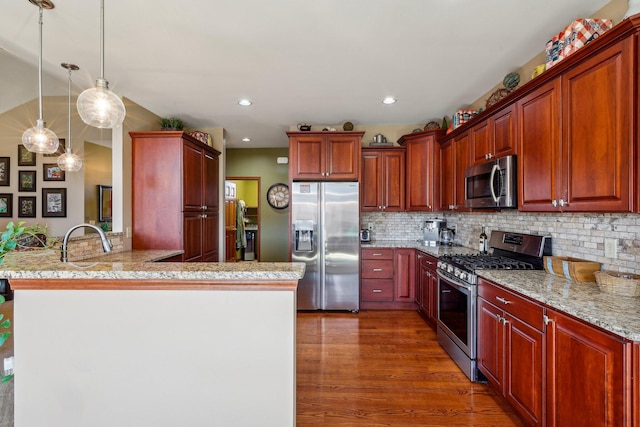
(436, 251)
(139, 265)
(584, 300)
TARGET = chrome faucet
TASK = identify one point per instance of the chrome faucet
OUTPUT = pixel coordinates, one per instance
(106, 243)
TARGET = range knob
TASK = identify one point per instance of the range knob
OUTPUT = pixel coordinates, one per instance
(450, 269)
(463, 276)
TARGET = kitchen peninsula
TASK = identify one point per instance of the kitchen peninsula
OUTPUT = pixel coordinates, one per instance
(118, 340)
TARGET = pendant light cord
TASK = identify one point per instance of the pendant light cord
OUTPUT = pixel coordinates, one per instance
(68, 150)
(102, 39)
(40, 70)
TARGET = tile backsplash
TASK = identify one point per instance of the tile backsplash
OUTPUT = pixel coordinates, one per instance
(579, 235)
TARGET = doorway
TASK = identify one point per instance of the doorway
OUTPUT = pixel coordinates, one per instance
(247, 223)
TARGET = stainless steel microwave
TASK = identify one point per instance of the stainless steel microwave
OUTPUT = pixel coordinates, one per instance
(492, 184)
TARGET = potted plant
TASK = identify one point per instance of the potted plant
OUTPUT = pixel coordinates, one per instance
(171, 123)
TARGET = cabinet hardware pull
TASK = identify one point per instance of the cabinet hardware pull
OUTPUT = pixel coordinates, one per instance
(445, 291)
(554, 203)
(502, 300)
(376, 254)
(563, 203)
(377, 291)
(377, 270)
(203, 216)
(546, 319)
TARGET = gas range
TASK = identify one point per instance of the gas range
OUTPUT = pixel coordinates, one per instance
(509, 251)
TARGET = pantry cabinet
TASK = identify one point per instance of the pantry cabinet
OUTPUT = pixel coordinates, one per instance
(574, 137)
(588, 375)
(175, 195)
(382, 180)
(422, 170)
(510, 348)
(324, 156)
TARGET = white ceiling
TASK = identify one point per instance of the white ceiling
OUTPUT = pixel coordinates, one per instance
(317, 61)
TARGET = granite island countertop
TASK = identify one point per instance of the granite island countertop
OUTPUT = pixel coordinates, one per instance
(139, 265)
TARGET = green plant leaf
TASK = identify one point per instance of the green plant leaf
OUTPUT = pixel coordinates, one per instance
(7, 378)
(4, 337)
(6, 324)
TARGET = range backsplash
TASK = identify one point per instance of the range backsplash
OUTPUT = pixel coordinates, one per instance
(575, 235)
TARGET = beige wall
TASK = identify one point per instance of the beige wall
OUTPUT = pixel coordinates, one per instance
(614, 10)
(97, 171)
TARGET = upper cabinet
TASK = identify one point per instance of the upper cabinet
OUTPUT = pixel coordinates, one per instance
(382, 180)
(575, 137)
(422, 170)
(324, 156)
(495, 136)
(454, 160)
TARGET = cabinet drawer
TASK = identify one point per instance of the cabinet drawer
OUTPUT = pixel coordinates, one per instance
(377, 253)
(377, 290)
(374, 269)
(520, 307)
(428, 261)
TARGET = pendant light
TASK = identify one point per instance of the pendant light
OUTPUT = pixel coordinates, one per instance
(98, 106)
(39, 139)
(69, 161)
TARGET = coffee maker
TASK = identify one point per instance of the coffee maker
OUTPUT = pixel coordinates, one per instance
(431, 231)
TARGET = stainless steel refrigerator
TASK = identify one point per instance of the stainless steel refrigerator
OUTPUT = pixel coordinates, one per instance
(325, 223)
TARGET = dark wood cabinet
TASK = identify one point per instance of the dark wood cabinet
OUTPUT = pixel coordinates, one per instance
(588, 375)
(175, 194)
(387, 278)
(382, 180)
(574, 138)
(422, 170)
(454, 160)
(494, 137)
(510, 348)
(426, 287)
(322, 156)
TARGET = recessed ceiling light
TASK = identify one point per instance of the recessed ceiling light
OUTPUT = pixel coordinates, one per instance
(245, 139)
(389, 100)
(245, 102)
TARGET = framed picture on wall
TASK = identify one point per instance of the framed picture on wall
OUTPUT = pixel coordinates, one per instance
(26, 207)
(26, 157)
(6, 205)
(5, 171)
(61, 149)
(26, 180)
(54, 202)
(52, 172)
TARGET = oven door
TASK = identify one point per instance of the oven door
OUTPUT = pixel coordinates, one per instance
(457, 313)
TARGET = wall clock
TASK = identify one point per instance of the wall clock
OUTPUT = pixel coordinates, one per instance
(278, 196)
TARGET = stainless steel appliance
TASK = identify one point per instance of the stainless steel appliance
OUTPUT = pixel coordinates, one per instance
(492, 184)
(431, 231)
(325, 223)
(457, 290)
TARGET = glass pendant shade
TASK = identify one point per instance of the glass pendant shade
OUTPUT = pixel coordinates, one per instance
(99, 107)
(70, 162)
(39, 139)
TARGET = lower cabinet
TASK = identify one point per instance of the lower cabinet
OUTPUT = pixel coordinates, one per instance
(553, 369)
(588, 375)
(387, 278)
(427, 287)
(510, 348)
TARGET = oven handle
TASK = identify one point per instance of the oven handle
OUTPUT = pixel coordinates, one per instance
(454, 282)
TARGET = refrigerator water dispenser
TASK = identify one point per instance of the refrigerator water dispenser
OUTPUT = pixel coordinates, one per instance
(303, 229)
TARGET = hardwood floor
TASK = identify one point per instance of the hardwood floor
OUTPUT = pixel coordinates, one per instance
(385, 368)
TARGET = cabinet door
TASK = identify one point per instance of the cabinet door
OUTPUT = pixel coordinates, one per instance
(587, 375)
(597, 106)
(447, 176)
(491, 343)
(481, 144)
(420, 173)
(343, 157)
(523, 368)
(503, 127)
(210, 237)
(308, 157)
(462, 159)
(192, 235)
(433, 297)
(210, 185)
(405, 276)
(192, 177)
(393, 176)
(539, 171)
(372, 182)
